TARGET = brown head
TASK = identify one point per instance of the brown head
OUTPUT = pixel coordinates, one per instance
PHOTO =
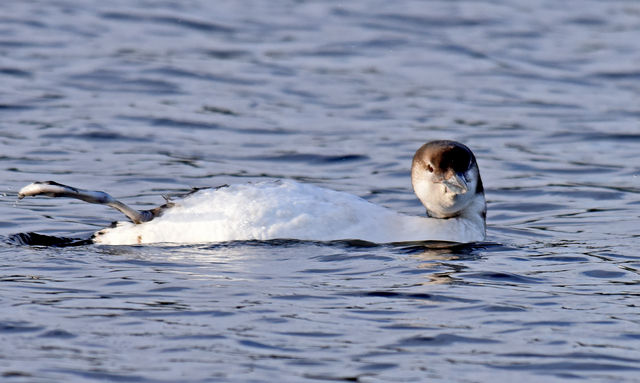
(446, 178)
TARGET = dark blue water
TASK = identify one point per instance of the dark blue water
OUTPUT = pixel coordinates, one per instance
(144, 98)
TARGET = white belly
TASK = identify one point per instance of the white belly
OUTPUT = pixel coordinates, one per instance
(284, 209)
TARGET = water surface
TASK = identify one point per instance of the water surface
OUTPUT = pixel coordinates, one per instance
(143, 99)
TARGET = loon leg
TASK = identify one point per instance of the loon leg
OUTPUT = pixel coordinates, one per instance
(54, 189)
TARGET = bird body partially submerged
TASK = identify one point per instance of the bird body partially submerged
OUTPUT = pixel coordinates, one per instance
(444, 175)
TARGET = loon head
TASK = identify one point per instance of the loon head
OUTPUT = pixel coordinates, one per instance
(446, 179)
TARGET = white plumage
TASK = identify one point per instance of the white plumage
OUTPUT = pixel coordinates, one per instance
(284, 209)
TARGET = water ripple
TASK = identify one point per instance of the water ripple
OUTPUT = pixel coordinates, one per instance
(179, 21)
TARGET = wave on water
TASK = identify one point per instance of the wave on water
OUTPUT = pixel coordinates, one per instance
(37, 239)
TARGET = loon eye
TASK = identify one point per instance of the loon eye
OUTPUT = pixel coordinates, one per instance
(430, 168)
